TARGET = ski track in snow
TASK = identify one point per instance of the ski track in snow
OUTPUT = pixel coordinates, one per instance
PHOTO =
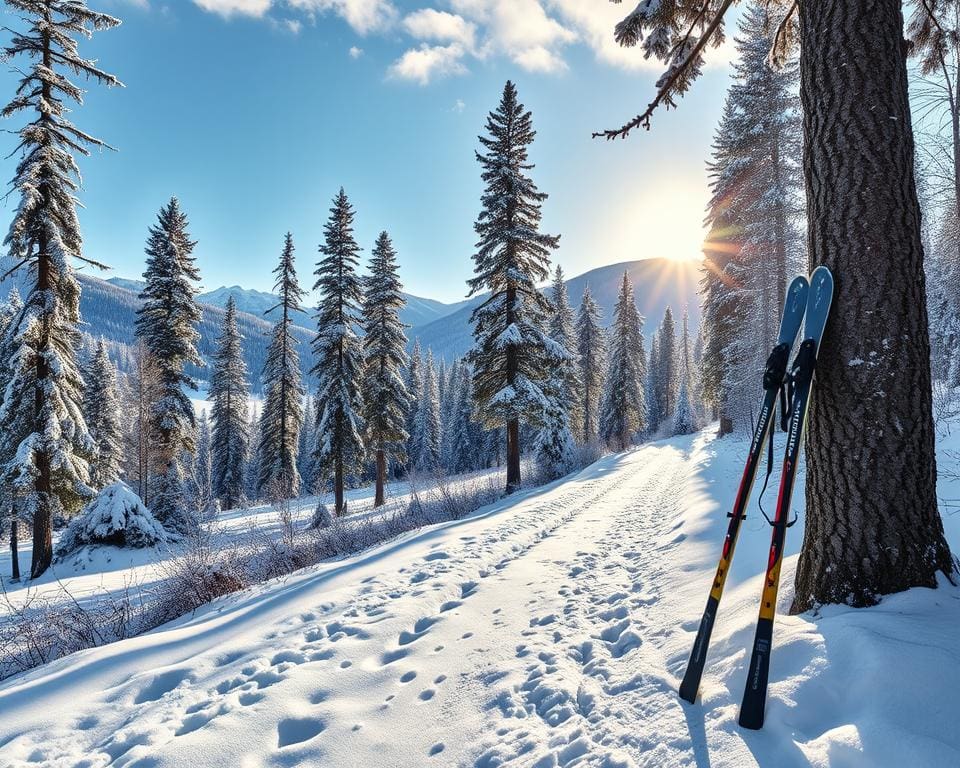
(541, 632)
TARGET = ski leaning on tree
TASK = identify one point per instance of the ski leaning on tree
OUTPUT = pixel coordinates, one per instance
(801, 381)
(810, 303)
(773, 386)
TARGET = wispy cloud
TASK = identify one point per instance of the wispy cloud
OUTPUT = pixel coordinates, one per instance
(355, 52)
(423, 64)
(228, 8)
(533, 34)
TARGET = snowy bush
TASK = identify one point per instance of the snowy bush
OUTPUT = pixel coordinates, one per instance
(116, 516)
(322, 517)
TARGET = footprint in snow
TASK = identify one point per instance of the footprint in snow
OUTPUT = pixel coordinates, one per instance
(296, 730)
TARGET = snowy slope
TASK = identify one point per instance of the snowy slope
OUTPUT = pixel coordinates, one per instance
(549, 629)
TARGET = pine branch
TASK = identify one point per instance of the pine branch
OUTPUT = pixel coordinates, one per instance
(663, 93)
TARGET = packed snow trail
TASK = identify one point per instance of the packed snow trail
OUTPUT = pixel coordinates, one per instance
(548, 630)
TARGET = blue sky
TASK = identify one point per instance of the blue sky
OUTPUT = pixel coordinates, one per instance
(254, 113)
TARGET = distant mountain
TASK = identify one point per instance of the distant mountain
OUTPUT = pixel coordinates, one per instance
(657, 284)
(418, 311)
(109, 308)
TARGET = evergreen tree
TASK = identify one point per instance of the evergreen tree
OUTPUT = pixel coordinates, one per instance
(623, 412)
(449, 405)
(167, 325)
(305, 444)
(9, 521)
(591, 353)
(101, 410)
(282, 418)
(229, 393)
(385, 396)
(563, 330)
(203, 498)
(512, 355)
(337, 351)
(667, 378)
(653, 388)
(41, 422)
(428, 429)
(754, 211)
(415, 391)
(466, 444)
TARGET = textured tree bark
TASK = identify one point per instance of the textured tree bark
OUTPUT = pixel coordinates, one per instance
(872, 523)
(381, 497)
(14, 549)
(513, 455)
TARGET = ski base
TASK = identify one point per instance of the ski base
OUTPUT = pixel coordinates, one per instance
(755, 694)
(698, 656)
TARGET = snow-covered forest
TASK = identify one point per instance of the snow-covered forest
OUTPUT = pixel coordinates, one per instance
(234, 522)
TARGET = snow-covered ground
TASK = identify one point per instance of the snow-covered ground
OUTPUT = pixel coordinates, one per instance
(549, 629)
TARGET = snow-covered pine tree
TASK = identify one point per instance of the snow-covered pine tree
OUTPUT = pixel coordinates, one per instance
(283, 416)
(101, 410)
(448, 410)
(563, 330)
(251, 465)
(685, 414)
(229, 395)
(591, 353)
(167, 325)
(41, 422)
(415, 391)
(428, 431)
(337, 351)
(512, 355)
(652, 386)
(385, 397)
(754, 212)
(554, 439)
(10, 519)
(305, 445)
(623, 412)
(667, 362)
(466, 444)
(204, 501)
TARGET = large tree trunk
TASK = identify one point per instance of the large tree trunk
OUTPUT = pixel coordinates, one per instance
(338, 488)
(513, 455)
(14, 549)
(872, 522)
(381, 497)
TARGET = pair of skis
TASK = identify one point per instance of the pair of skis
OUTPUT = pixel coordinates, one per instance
(807, 302)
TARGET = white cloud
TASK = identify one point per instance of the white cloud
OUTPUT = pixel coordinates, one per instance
(364, 16)
(431, 24)
(228, 8)
(458, 106)
(355, 53)
(423, 64)
(519, 29)
(539, 59)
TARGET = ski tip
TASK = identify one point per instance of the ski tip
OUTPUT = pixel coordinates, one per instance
(688, 692)
(751, 719)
